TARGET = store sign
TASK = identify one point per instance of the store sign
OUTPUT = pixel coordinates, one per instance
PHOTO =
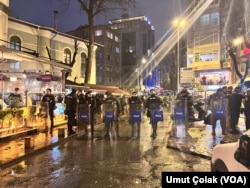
(46, 78)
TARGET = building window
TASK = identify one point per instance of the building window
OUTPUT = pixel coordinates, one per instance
(117, 50)
(116, 38)
(109, 35)
(15, 66)
(83, 65)
(205, 57)
(67, 56)
(99, 79)
(15, 43)
(109, 80)
(205, 20)
(215, 18)
(98, 33)
(99, 67)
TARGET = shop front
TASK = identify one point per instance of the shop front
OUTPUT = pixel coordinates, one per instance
(30, 84)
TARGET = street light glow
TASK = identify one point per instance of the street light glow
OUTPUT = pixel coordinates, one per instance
(238, 41)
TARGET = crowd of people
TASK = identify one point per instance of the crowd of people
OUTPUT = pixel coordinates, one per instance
(113, 107)
(228, 100)
(225, 105)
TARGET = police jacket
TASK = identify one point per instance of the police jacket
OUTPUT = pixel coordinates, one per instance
(112, 100)
(71, 102)
(153, 102)
(51, 101)
(134, 100)
(80, 98)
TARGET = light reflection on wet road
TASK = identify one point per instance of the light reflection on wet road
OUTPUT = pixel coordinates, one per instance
(104, 162)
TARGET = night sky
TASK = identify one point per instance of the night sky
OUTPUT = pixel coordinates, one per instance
(40, 12)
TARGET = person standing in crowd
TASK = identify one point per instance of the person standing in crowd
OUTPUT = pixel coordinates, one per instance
(135, 103)
(112, 100)
(247, 110)
(15, 99)
(88, 100)
(153, 102)
(235, 101)
(225, 90)
(220, 98)
(229, 90)
(80, 96)
(70, 111)
(50, 99)
(185, 95)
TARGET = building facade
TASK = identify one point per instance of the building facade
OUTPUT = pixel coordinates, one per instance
(207, 43)
(137, 40)
(108, 57)
(34, 57)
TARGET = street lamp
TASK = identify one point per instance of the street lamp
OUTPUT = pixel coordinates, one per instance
(178, 23)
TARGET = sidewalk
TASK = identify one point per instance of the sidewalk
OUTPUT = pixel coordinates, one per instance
(198, 141)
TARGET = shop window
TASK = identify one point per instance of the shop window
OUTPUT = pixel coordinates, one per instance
(67, 56)
(15, 43)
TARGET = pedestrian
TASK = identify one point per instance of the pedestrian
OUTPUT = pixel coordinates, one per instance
(80, 96)
(247, 110)
(153, 103)
(70, 111)
(235, 101)
(229, 90)
(88, 100)
(185, 95)
(217, 102)
(135, 104)
(51, 104)
(15, 99)
(112, 100)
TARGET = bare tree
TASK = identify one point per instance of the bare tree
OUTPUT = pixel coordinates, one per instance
(93, 8)
(232, 53)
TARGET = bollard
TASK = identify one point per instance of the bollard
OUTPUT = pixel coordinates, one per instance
(61, 132)
(28, 142)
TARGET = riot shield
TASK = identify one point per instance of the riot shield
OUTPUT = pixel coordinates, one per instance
(109, 113)
(219, 115)
(180, 118)
(156, 113)
(83, 113)
(135, 113)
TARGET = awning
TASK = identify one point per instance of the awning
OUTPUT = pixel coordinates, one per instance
(103, 89)
(75, 85)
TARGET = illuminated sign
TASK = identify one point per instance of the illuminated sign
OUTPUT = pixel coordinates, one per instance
(46, 78)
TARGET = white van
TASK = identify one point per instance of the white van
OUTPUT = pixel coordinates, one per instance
(232, 157)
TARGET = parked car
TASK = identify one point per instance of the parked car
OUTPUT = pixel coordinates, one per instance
(232, 157)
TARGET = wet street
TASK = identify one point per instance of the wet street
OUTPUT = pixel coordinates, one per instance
(99, 162)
